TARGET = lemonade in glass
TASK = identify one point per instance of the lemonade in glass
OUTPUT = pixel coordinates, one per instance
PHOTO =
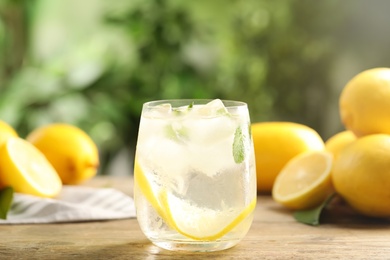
(194, 174)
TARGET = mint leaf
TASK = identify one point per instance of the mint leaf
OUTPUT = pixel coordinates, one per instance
(312, 216)
(176, 134)
(239, 152)
(183, 110)
(6, 196)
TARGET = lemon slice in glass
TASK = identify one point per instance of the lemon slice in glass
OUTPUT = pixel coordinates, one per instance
(305, 181)
(26, 169)
(201, 223)
(144, 186)
(189, 220)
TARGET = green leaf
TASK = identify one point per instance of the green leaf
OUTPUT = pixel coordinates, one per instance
(179, 111)
(312, 216)
(6, 196)
(239, 152)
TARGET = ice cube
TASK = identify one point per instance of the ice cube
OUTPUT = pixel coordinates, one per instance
(213, 158)
(209, 130)
(159, 111)
(224, 189)
(213, 108)
(167, 159)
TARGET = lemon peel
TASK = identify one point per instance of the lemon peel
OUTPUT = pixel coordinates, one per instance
(6, 131)
(364, 105)
(361, 175)
(276, 143)
(70, 150)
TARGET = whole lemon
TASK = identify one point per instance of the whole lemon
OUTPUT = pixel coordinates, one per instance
(275, 143)
(338, 141)
(6, 131)
(361, 175)
(365, 102)
(69, 149)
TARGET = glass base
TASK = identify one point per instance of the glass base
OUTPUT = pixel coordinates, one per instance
(194, 246)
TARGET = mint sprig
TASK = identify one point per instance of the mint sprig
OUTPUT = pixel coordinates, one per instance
(183, 110)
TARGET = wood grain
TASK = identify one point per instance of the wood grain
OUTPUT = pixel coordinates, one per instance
(273, 235)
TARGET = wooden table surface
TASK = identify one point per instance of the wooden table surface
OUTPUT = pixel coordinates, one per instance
(273, 235)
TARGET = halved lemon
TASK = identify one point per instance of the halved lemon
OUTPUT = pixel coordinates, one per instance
(187, 219)
(305, 181)
(6, 131)
(26, 169)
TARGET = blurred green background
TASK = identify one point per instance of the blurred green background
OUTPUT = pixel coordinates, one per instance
(92, 63)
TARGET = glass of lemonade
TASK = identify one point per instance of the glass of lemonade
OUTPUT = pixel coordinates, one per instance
(194, 174)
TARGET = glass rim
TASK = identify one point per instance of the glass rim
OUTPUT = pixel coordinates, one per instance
(197, 101)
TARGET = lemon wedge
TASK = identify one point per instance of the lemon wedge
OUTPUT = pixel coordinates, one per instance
(187, 219)
(26, 169)
(305, 181)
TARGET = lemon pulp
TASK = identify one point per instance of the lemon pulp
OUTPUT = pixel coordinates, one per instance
(305, 181)
(25, 168)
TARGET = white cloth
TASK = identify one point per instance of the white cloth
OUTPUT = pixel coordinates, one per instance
(74, 204)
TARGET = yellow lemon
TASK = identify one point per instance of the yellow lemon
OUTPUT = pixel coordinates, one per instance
(187, 219)
(275, 144)
(365, 102)
(361, 175)
(338, 141)
(6, 131)
(26, 169)
(69, 149)
(305, 181)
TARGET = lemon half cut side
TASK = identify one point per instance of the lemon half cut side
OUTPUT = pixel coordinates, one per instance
(305, 181)
(190, 221)
(26, 169)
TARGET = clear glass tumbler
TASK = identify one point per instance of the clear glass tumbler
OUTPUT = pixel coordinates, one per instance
(194, 174)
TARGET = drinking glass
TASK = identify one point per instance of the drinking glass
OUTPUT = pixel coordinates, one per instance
(194, 174)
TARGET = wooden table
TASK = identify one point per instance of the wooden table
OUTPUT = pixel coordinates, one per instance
(273, 235)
